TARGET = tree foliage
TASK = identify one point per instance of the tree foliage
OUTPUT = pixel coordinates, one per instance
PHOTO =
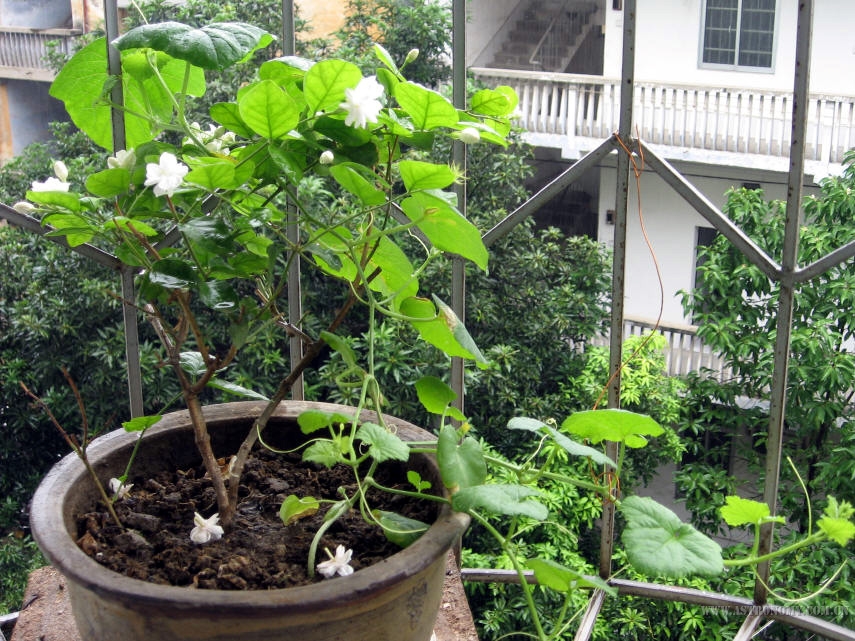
(736, 308)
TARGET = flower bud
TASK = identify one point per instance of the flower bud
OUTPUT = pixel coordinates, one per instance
(470, 135)
(24, 207)
(412, 54)
(327, 157)
(60, 170)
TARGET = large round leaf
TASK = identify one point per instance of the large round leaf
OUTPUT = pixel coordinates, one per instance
(216, 46)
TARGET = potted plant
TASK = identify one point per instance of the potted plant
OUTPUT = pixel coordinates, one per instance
(202, 213)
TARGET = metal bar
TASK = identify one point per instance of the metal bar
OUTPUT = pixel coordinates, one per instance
(292, 233)
(839, 255)
(709, 211)
(547, 193)
(458, 152)
(589, 619)
(132, 342)
(778, 399)
(748, 628)
(35, 226)
(114, 64)
(607, 534)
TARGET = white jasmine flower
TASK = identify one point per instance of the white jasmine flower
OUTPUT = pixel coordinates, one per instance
(24, 207)
(120, 490)
(362, 103)
(470, 135)
(338, 564)
(124, 159)
(327, 157)
(60, 170)
(166, 175)
(51, 184)
(206, 530)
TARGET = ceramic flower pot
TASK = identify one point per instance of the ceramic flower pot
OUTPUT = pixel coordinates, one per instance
(394, 600)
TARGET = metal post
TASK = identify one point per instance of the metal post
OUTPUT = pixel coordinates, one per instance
(292, 232)
(458, 152)
(619, 261)
(778, 399)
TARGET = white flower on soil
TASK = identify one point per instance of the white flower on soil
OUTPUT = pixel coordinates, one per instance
(338, 564)
(120, 490)
(206, 530)
(362, 103)
(166, 175)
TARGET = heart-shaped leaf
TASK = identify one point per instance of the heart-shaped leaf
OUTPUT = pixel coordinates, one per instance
(659, 544)
(399, 529)
(294, 508)
(436, 397)
(615, 425)
(461, 463)
(383, 445)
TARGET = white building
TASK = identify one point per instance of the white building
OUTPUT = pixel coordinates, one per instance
(713, 96)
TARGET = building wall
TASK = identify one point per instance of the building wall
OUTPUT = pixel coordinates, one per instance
(671, 226)
(668, 36)
(325, 16)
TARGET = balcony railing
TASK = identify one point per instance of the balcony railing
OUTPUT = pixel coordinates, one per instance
(23, 51)
(736, 126)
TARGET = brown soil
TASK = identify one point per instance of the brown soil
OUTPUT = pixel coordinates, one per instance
(258, 552)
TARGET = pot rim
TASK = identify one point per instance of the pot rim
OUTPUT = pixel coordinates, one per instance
(64, 554)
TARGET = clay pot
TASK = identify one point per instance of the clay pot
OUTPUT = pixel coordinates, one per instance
(394, 600)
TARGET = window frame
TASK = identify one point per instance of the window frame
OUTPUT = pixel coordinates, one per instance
(735, 66)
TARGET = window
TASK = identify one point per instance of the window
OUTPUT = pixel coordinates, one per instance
(739, 33)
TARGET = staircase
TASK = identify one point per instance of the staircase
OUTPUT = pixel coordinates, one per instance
(547, 35)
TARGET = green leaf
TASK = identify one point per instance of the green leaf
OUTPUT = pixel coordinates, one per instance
(350, 177)
(212, 174)
(215, 46)
(218, 294)
(416, 481)
(425, 175)
(384, 57)
(340, 345)
(562, 579)
(399, 529)
(445, 227)
(436, 397)
(500, 499)
(192, 363)
(325, 452)
(461, 463)
(109, 182)
(234, 388)
(74, 228)
(284, 69)
(326, 81)
(294, 508)
(384, 445)
(739, 511)
(501, 101)
(268, 111)
(658, 543)
(428, 109)
(314, 420)
(172, 273)
(227, 114)
(141, 423)
(612, 425)
(839, 530)
(62, 199)
(569, 445)
(440, 327)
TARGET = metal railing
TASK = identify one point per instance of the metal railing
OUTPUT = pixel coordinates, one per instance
(23, 51)
(738, 122)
